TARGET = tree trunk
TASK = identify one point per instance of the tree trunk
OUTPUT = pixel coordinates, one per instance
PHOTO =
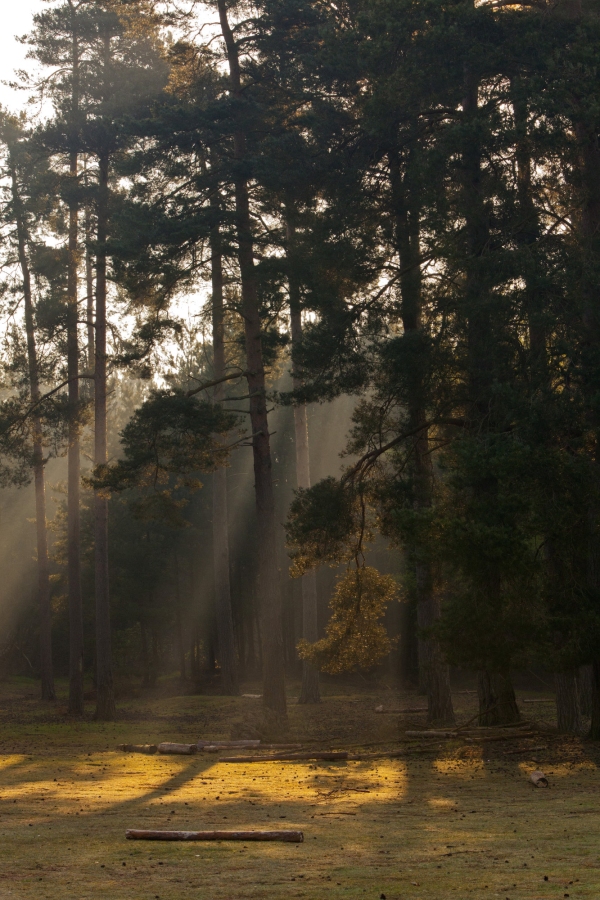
(76, 705)
(105, 705)
(44, 592)
(146, 678)
(179, 625)
(589, 223)
(89, 283)
(497, 702)
(268, 572)
(434, 673)
(594, 733)
(224, 615)
(309, 692)
(584, 679)
(568, 712)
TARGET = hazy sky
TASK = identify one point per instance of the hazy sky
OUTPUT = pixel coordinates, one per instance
(16, 20)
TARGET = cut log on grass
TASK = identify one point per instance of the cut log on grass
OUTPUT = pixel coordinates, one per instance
(431, 734)
(539, 779)
(182, 749)
(134, 834)
(286, 757)
(212, 747)
(203, 743)
(392, 712)
(486, 738)
(138, 748)
(525, 750)
(548, 700)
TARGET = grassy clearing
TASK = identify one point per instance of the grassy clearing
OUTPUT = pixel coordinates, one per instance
(457, 821)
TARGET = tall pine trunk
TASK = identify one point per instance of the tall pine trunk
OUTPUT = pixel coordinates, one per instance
(224, 616)
(309, 692)
(497, 704)
(497, 701)
(105, 704)
(89, 282)
(76, 705)
(44, 593)
(433, 669)
(589, 223)
(268, 573)
(568, 710)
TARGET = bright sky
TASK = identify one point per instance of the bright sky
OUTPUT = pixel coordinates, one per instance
(16, 20)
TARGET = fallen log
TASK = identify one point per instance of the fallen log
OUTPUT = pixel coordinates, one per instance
(286, 757)
(525, 750)
(134, 834)
(138, 748)
(214, 746)
(548, 700)
(409, 709)
(431, 734)
(201, 744)
(499, 737)
(183, 749)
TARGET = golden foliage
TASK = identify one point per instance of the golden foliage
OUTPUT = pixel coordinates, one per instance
(355, 636)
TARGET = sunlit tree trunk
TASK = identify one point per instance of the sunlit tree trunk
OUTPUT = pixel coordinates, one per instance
(268, 573)
(44, 593)
(227, 651)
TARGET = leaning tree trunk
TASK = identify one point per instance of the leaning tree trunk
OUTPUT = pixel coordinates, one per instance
(44, 593)
(309, 692)
(434, 673)
(497, 701)
(268, 572)
(223, 611)
(105, 704)
(568, 711)
(76, 705)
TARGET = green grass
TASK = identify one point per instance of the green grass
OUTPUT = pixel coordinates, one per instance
(461, 821)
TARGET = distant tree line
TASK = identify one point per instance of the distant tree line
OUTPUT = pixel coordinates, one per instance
(396, 200)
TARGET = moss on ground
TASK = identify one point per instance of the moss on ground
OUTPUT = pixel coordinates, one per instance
(455, 821)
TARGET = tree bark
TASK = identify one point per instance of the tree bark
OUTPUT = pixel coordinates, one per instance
(434, 673)
(105, 704)
(568, 711)
(309, 692)
(594, 734)
(268, 573)
(584, 685)
(147, 677)
(76, 704)
(224, 616)
(44, 592)
(89, 283)
(179, 625)
(497, 702)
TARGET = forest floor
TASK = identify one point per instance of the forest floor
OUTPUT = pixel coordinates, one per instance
(456, 820)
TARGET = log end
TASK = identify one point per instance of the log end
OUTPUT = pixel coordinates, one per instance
(539, 779)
